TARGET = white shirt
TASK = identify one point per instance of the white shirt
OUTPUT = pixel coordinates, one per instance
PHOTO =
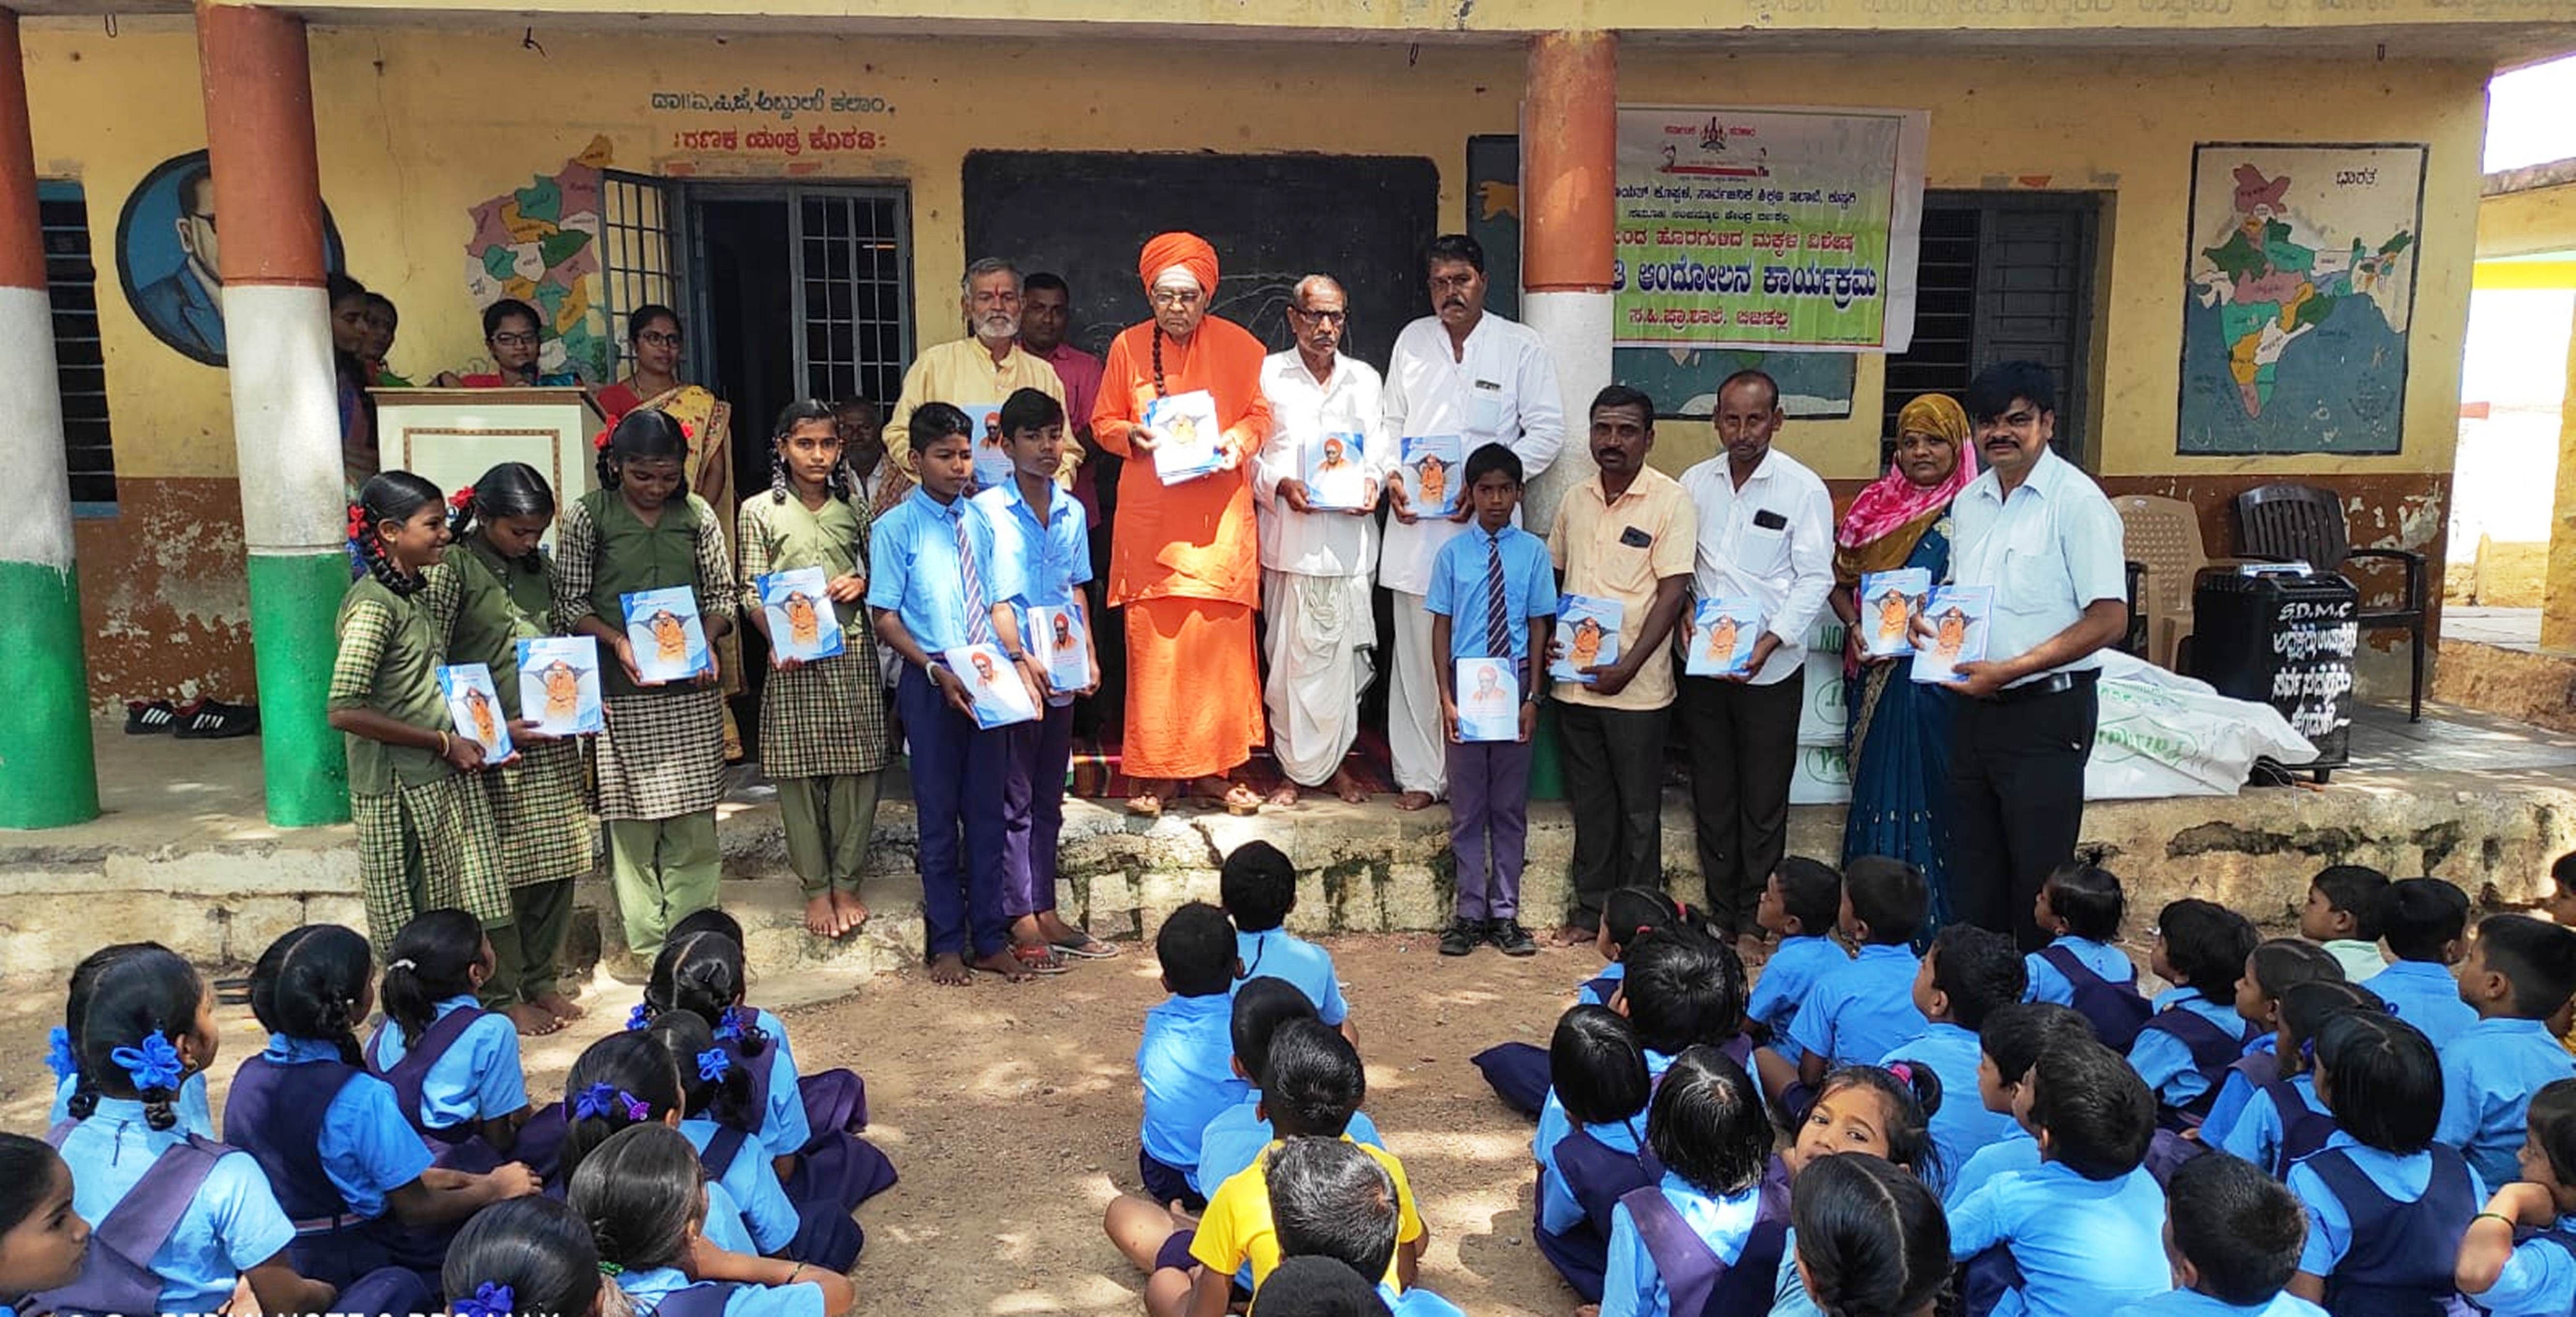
(1501, 389)
(1303, 410)
(2050, 549)
(1788, 566)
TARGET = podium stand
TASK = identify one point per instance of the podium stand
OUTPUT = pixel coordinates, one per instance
(450, 437)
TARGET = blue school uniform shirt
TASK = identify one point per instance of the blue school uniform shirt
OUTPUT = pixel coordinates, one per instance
(649, 1288)
(1632, 1287)
(752, 1183)
(2255, 1136)
(2427, 996)
(2538, 1278)
(2193, 1303)
(1856, 1014)
(1416, 1303)
(2083, 1246)
(725, 1226)
(2489, 1073)
(783, 1126)
(2015, 1151)
(2401, 1176)
(1186, 1060)
(368, 1148)
(1595, 991)
(2234, 1092)
(194, 1115)
(1234, 1140)
(1278, 954)
(1964, 1125)
(1789, 1297)
(2164, 1062)
(1458, 591)
(478, 1079)
(1784, 982)
(2046, 984)
(1037, 560)
(1558, 1209)
(232, 1225)
(914, 571)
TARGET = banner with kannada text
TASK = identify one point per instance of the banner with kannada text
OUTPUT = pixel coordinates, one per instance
(1782, 229)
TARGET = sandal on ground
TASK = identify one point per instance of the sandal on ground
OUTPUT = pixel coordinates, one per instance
(1145, 805)
(1085, 947)
(1037, 960)
(1242, 801)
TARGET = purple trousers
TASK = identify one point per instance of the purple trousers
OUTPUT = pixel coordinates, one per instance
(1033, 810)
(957, 774)
(1489, 824)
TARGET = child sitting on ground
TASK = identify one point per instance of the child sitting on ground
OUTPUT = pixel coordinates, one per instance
(1800, 906)
(2427, 931)
(1235, 1138)
(2273, 968)
(1591, 1142)
(2347, 904)
(1329, 1198)
(1968, 973)
(1868, 1238)
(42, 1240)
(1698, 1241)
(1683, 989)
(2386, 1204)
(2013, 1039)
(1185, 1056)
(2184, 1049)
(2232, 1240)
(1856, 1014)
(1259, 888)
(2537, 1275)
(2520, 972)
(2283, 1119)
(642, 1193)
(454, 1066)
(1519, 1071)
(2080, 906)
(1869, 1112)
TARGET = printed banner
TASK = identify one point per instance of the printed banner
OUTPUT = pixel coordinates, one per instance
(1787, 230)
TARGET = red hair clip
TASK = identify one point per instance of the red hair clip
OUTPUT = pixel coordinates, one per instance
(600, 441)
(357, 522)
(463, 495)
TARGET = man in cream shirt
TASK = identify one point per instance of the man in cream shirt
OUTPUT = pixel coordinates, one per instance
(1486, 380)
(973, 374)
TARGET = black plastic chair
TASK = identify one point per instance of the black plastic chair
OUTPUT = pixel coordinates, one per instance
(2303, 522)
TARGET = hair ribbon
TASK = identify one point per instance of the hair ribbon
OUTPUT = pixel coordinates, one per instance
(464, 495)
(404, 963)
(594, 1101)
(1903, 1070)
(714, 1065)
(729, 1026)
(357, 522)
(152, 1063)
(640, 1017)
(489, 1300)
(58, 1053)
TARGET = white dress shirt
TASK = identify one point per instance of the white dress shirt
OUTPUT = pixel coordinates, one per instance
(1303, 410)
(2049, 550)
(1788, 567)
(1501, 389)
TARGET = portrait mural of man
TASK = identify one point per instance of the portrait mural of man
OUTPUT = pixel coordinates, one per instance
(169, 256)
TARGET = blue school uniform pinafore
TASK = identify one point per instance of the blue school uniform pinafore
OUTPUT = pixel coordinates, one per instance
(2401, 1259)
(281, 1111)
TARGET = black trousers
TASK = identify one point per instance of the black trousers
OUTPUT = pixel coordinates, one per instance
(2017, 802)
(1613, 761)
(1743, 742)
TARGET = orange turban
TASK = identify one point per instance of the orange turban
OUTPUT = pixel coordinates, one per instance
(1186, 250)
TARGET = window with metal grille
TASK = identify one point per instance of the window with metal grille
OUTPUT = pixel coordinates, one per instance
(635, 253)
(2003, 276)
(853, 291)
(80, 370)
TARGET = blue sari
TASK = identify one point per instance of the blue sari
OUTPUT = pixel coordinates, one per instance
(1900, 757)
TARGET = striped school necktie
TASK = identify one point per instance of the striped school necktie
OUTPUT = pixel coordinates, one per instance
(1498, 623)
(979, 614)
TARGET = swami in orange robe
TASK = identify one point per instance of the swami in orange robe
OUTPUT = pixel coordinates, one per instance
(1183, 560)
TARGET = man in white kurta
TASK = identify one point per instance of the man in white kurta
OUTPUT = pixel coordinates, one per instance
(1487, 380)
(1315, 488)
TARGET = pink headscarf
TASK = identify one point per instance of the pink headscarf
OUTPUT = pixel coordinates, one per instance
(1892, 502)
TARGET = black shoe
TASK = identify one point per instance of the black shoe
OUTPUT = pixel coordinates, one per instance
(215, 720)
(1462, 937)
(152, 719)
(1510, 938)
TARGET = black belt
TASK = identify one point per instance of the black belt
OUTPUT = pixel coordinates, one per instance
(2055, 683)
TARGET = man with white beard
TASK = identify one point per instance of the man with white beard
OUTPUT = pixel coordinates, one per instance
(973, 374)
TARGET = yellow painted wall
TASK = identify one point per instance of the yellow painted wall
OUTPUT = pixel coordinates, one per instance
(416, 126)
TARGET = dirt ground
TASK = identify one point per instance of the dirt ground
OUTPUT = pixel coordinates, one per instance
(1011, 1112)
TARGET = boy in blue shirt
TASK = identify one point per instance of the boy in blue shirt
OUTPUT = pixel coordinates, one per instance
(2232, 1237)
(1329, 1199)
(2009, 1045)
(2520, 972)
(2538, 1275)
(1800, 906)
(1235, 1138)
(1042, 548)
(1967, 975)
(1493, 595)
(2086, 1228)
(2346, 905)
(1258, 887)
(1186, 1055)
(2427, 931)
(2079, 907)
(2195, 1034)
(932, 590)
(1857, 1014)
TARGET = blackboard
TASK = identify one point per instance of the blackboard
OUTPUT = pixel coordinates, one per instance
(1273, 219)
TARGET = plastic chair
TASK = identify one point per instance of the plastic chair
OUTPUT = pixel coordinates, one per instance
(2303, 522)
(2164, 534)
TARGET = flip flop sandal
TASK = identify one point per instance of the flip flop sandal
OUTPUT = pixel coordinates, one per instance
(1038, 960)
(1085, 947)
(1242, 807)
(1145, 807)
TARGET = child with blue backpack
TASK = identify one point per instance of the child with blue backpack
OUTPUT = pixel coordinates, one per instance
(1706, 1238)
(2184, 1049)
(2080, 907)
(2518, 1258)
(627, 1079)
(2282, 1119)
(716, 1098)
(2386, 1203)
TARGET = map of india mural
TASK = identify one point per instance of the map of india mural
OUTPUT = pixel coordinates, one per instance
(540, 244)
(2301, 283)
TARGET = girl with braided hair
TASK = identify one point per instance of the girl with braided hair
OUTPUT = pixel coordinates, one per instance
(426, 833)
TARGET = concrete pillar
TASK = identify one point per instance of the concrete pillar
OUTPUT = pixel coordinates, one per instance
(48, 768)
(1569, 178)
(2558, 603)
(286, 420)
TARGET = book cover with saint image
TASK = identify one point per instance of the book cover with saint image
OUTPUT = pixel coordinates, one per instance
(1193, 443)
(1337, 471)
(559, 685)
(1489, 700)
(1957, 614)
(803, 624)
(1431, 471)
(993, 683)
(474, 705)
(1720, 637)
(993, 465)
(669, 638)
(1889, 603)
(1588, 630)
(1054, 634)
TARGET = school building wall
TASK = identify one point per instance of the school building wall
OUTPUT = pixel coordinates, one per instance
(416, 125)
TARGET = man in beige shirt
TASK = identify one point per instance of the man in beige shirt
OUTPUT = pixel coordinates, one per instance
(975, 374)
(1628, 536)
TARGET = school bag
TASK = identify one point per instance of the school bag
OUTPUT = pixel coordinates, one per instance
(1700, 1284)
(2115, 1010)
(117, 1275)
(2402, 1254)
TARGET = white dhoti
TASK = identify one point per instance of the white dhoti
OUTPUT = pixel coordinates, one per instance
(1413, 731)
(1320, 638)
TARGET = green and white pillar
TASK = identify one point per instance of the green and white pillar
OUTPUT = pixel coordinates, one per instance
(48, 766)
(286, 420)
